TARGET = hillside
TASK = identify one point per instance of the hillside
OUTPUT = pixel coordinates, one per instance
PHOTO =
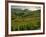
(25, 19)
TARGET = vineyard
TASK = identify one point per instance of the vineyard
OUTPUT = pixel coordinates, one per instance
(24, 19)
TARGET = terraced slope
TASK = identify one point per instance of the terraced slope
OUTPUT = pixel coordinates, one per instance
(25, 19)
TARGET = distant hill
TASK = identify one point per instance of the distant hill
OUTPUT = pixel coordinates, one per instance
(25, 12)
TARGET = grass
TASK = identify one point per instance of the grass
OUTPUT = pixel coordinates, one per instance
(25, 24)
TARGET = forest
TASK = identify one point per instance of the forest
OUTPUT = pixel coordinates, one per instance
(25, 19)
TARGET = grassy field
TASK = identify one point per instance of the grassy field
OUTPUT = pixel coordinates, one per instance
(25, 19)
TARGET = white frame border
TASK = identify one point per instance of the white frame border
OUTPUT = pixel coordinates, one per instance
(23, 32)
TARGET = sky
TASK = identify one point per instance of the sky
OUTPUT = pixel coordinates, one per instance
(27, 7)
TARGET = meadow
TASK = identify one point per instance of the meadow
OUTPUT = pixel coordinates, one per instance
(25, 19)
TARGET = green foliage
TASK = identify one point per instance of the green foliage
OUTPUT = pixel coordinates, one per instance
(25, 19)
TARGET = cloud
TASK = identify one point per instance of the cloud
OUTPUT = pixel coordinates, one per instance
(27, 7)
